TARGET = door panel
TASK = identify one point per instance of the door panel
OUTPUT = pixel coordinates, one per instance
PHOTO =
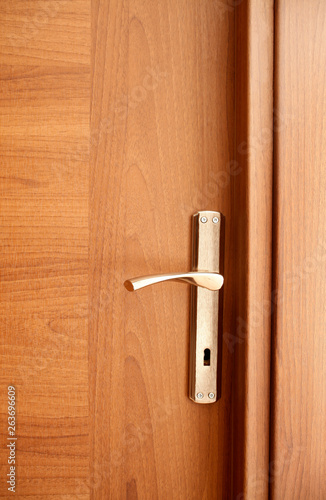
(162, 145)
(299, 394)
(100, 375)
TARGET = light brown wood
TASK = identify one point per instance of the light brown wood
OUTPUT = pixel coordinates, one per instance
(252, 220)
(44, 127)
(102, 375)
(299, 348)
(162, 142)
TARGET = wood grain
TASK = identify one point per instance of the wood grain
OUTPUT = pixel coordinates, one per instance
(252, 220)
(162, 142)
(299, 393)
(159, 115)
(44, 190)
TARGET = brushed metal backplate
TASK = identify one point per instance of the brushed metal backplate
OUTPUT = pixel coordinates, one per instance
(206, 310)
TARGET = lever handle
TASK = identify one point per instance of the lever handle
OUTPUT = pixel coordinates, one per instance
(205, 368)
(211, 281)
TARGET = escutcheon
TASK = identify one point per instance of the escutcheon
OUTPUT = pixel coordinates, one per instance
(206, 314)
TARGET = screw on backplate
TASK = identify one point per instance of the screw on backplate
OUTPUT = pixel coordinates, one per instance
(199, 395)
(203, 219)
(211, 395)
(215, 220)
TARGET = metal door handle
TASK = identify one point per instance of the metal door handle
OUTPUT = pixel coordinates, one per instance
(211, 281)
(206, 307)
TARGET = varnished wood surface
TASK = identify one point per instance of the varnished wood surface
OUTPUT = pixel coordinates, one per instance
(161, 149)
(44, 127)
(252, 219)
(161, 138)
(299, 390)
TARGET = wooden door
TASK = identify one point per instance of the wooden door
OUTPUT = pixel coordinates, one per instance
(117, 124)
(119, 120)
(162, 145)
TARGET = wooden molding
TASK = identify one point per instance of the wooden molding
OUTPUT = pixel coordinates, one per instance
(298, 431)
(252, 218)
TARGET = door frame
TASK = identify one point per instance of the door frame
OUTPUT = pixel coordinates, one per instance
(252, 233)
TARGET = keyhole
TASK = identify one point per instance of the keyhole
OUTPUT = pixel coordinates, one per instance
(207, 357)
